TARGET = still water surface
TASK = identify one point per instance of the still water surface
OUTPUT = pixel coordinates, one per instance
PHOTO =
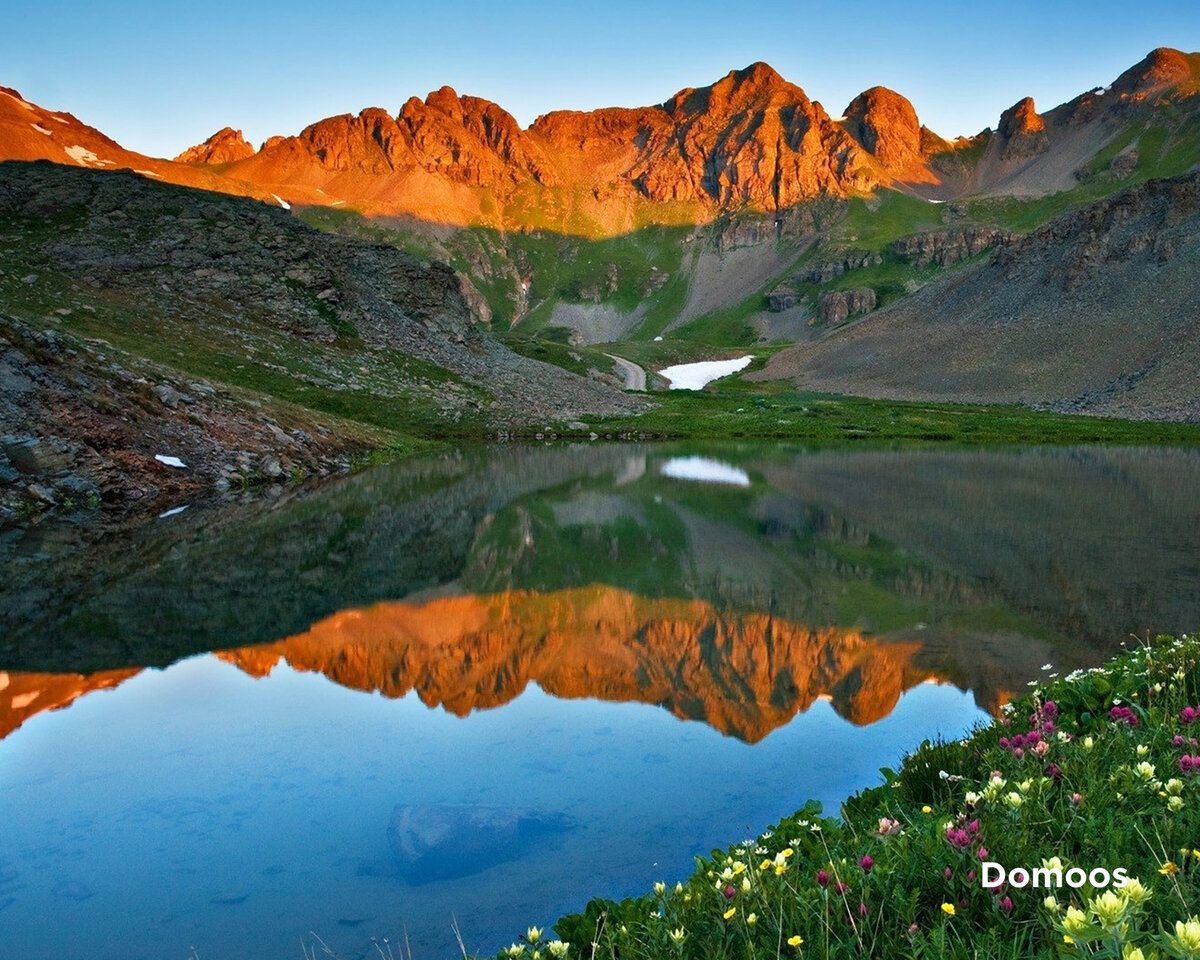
(643, 652)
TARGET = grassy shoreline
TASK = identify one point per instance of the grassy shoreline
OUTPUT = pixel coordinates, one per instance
(741, 413)
(1100, 768)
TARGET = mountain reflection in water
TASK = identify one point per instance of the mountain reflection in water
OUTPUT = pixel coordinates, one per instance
(608, 572)
(810, 614)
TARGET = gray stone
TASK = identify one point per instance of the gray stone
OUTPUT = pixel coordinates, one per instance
(167, 394)
(38, 492)
(444, 841)
(35, 457)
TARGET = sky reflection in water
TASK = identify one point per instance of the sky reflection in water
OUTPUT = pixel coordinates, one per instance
(198, 806)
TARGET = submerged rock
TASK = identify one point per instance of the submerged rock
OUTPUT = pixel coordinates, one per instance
(445, 841)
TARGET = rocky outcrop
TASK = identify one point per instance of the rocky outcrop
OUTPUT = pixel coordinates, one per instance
(828, 270)
(835, 306)
(886, 124)
(224, 146)
(87, 430)
(944, 248)
(1022, 130)
(784, 297)
(1161, 70)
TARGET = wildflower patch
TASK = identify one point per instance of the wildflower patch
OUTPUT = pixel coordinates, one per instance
(1068, 827)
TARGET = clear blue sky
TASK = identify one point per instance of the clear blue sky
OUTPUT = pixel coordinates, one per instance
(160, 76)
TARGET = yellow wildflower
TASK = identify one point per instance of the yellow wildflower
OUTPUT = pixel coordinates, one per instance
(1076, 921)
(729, 913)
(1109, 909)
(1168, 869)
(927, 809)
(948, 909)
(795, 941)
(1135, 892)
(1187, 936)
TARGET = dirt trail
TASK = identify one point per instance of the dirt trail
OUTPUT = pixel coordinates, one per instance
(635, 376)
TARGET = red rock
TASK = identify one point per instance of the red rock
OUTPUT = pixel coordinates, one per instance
(224, 146)
(886, 124)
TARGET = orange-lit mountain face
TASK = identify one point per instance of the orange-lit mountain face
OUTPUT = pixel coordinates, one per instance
(750, 141)
(744, 674)
(23, 695)
(30, 132)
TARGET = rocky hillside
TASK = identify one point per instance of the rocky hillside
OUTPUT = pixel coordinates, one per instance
(1031, 154)
(1095, 311)
(141, 319)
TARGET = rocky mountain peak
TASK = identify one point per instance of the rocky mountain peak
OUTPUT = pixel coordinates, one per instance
(1021, 118)
(886, 125)
(224, 146)
(446, 100)
(754, 87)
(1161, 69)
(1022, 130)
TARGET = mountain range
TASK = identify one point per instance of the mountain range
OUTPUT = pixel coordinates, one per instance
(750, 141)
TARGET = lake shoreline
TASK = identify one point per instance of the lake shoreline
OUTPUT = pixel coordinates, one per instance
(735, 412)
(899, 873)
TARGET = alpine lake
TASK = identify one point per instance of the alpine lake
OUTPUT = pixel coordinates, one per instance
(463, 694)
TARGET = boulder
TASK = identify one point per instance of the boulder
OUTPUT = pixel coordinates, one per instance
(35, 457)
(947, 247)
(434, 842)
